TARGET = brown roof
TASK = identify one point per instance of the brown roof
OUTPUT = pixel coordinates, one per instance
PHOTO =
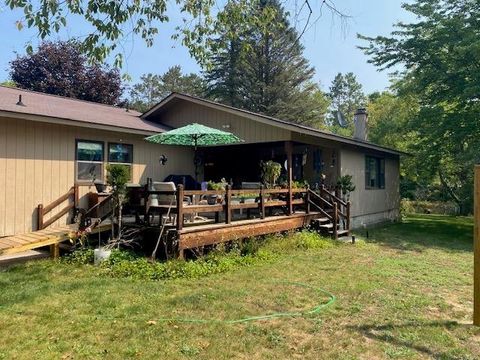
(72, 109)
(150, 114)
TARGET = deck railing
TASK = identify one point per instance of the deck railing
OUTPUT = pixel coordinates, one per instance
(225, 201)
(44, 210)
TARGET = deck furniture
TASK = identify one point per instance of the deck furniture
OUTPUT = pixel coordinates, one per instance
(161, 198)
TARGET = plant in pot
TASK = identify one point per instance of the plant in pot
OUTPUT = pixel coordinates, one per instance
(220, 186)
(270, 172)
(99, 185)
(345, 183)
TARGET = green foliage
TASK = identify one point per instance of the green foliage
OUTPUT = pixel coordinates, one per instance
(346, 96)
(346, 184)
(60, 68)
(83, 256)
(9, 83)
(440, 52)
(153, 88)
(261, 67)
(118, 177)
(270, 172)
(428, 207)
(247, 253)
(220, 186)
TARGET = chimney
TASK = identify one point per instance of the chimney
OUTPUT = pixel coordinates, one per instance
(360, 121)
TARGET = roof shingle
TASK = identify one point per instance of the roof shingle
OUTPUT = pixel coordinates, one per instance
(72, 109)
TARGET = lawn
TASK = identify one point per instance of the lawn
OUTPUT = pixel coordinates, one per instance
(405, 292)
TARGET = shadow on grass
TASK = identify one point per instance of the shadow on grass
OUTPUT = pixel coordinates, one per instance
(418, 232)
(385, 333)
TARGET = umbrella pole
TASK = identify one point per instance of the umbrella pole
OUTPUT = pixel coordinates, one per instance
(195, 160)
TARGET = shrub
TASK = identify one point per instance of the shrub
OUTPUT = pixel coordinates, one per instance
(225, 258)
(81, 256)
(428, 207)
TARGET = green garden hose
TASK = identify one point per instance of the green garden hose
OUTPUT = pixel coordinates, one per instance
(312, 311)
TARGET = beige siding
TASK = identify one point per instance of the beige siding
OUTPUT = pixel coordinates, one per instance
(37, 166)
(249, 130)
(369, 206)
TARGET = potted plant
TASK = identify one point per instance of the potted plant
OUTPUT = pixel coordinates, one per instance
(270, 172)
(345, 183)
(220, 186)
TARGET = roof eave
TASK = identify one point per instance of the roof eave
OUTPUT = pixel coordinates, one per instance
(271, 121)
(71, 122)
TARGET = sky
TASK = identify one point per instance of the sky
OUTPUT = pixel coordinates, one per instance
(330, 44)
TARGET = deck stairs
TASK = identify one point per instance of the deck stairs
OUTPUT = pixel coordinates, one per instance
(335, 220)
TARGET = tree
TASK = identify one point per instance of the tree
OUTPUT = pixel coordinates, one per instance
(153, 88)
(61, 69)
(389, 115)
(8, 83)
(346, 97)
(440, 58)
(262, 69)
(111, 21)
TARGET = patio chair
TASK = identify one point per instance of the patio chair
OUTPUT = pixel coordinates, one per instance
(160, 203)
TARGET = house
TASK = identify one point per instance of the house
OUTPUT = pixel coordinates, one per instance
(49, 143)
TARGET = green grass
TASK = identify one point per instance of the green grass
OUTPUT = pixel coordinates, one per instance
(406, 292)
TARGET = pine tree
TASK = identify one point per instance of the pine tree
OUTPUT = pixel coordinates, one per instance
(346, 95)
(262, 69)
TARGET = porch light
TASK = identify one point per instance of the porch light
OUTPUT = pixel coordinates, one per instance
(334, 158)
(163, 159)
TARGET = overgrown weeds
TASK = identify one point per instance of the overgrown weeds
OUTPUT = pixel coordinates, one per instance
(223, 258)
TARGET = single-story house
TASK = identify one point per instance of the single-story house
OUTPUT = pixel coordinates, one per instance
(49, 143)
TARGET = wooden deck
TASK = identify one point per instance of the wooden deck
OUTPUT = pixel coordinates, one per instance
(201, 235)
(36, 239)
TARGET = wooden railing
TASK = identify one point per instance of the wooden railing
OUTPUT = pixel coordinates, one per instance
(333, 207)
(263, 200)
(44, 210)
(99, 212)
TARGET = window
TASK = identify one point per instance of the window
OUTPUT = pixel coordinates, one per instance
(89, 160)
(374, 173)
(121, 154)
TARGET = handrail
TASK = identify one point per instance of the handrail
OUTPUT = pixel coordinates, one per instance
(43, 210)
(333, 196)
(321, 210)
(320, 198)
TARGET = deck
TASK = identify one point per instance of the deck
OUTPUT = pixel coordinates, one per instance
(231, 217)
(209, 234)
(36, 239)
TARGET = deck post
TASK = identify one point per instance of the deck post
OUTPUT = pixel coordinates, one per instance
(40, 217)
(335, 220)
(55, 251)
(307, 200)
(476, 249)
(76, 196)
(228, 201)
(262, 202)
(289, 151)
(179, 207)
(348, 217)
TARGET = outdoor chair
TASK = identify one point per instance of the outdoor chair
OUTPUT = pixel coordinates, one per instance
(160, 203)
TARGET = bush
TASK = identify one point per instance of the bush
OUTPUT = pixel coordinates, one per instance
(225, 258)
(428, 207)
(80, 257)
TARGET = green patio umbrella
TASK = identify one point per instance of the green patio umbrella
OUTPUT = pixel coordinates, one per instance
(195, 135)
